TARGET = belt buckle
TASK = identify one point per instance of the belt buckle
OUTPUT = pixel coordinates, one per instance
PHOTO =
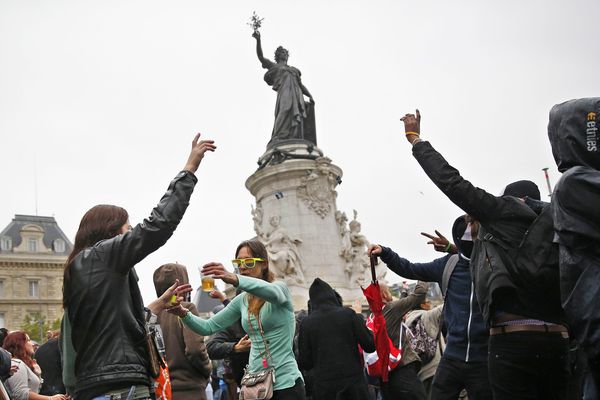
(119, 396)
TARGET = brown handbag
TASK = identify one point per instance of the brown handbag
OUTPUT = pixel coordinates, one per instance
(154, 359)
(258, 385)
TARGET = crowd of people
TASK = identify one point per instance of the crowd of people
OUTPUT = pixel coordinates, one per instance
(520, 283)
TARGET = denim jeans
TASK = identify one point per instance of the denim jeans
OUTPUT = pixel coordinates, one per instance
(452, 376)
(529, 366)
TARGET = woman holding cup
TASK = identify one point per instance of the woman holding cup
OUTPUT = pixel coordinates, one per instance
(266, 313)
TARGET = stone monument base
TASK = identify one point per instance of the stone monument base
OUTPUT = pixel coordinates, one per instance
(296, 217)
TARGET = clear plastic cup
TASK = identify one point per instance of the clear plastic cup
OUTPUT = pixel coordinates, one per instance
(208, 281)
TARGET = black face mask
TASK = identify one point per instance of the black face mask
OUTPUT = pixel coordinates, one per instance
(466, 248)
(458, 234)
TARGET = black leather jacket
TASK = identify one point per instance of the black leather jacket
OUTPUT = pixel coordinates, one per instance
(105, 304)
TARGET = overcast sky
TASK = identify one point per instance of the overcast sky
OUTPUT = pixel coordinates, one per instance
(99, 101)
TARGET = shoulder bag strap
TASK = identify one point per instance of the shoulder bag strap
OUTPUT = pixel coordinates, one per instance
(448, 269)
(261, 331)
(400, 340)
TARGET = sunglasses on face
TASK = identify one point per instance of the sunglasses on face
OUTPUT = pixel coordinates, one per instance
(246, 263)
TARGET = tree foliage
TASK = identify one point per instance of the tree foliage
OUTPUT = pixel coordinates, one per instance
(35, 323)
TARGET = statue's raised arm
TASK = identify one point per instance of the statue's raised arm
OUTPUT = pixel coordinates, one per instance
(265, 62)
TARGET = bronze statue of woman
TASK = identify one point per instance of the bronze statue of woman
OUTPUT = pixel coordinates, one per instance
(294, 119)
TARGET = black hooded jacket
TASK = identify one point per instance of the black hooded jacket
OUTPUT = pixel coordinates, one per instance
(573, 133)
(328, 341)
(499, 267)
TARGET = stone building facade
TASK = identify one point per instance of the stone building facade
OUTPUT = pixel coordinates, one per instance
(33, 251)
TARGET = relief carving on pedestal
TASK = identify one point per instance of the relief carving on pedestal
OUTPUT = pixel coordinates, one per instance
(317, 188)
(285, 259)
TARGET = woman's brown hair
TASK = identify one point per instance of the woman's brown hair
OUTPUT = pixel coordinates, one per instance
(257, 249)
(99, 223)
(15, 343)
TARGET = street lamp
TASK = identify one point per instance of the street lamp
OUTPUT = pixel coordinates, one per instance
(547, 180)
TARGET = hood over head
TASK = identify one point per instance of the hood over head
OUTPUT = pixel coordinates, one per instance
(322, 295)
(165, 276)
(522, 189)
(461, 234)
(573, 133)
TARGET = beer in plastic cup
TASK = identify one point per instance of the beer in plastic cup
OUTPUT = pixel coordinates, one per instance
(208, 282)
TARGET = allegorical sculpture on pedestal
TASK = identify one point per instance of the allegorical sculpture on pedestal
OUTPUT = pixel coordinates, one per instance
(284, 254)
(354, 250)
(294, 117)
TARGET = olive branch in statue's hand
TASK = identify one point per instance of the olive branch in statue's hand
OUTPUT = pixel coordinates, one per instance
(255, 23)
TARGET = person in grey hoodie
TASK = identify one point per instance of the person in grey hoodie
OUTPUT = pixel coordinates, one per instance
(187, 359)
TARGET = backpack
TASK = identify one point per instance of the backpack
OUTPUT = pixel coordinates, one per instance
(424, 345)
(527, 264)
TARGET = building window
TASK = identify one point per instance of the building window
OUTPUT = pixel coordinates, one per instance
(1, 289)
(59, 246)
(32, 245)
(34, 289)
(2, 320)
(5, 243)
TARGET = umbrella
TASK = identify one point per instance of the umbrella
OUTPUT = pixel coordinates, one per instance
(382, 341)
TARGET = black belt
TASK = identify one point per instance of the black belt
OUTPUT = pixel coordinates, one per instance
(499, 330)
(140, 392)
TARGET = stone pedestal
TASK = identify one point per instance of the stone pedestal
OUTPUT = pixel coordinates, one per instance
(296, 217)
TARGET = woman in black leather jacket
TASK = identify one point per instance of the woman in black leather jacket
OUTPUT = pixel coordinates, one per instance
(101, 296)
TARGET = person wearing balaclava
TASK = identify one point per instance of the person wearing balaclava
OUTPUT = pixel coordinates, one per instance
(573, 133)
(528, 336)
(464, 362)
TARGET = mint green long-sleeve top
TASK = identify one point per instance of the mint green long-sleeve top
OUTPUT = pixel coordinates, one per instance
(278, 322)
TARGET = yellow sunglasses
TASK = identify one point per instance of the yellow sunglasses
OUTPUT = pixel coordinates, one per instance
(246, 263)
